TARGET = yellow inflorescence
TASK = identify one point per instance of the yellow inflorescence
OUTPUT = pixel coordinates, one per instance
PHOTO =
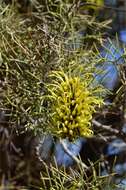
(73, 106)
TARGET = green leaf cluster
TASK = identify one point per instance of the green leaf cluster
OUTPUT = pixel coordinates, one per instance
(31, 46)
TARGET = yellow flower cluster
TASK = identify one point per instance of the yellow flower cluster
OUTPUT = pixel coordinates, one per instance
(73, 106)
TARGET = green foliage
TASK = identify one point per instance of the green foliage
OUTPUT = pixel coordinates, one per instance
(97, 2)
(21, 71)
(30, 48)
(92, 6)
(76, 179)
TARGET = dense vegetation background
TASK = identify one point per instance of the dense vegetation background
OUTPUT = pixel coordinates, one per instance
(51, 51)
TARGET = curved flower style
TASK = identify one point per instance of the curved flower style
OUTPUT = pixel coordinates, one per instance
(73, 105)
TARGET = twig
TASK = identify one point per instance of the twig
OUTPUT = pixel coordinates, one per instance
(72, 156)
(105, 127)
(123, 80)
(104, 7)
(105, 138)
(16, 150)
